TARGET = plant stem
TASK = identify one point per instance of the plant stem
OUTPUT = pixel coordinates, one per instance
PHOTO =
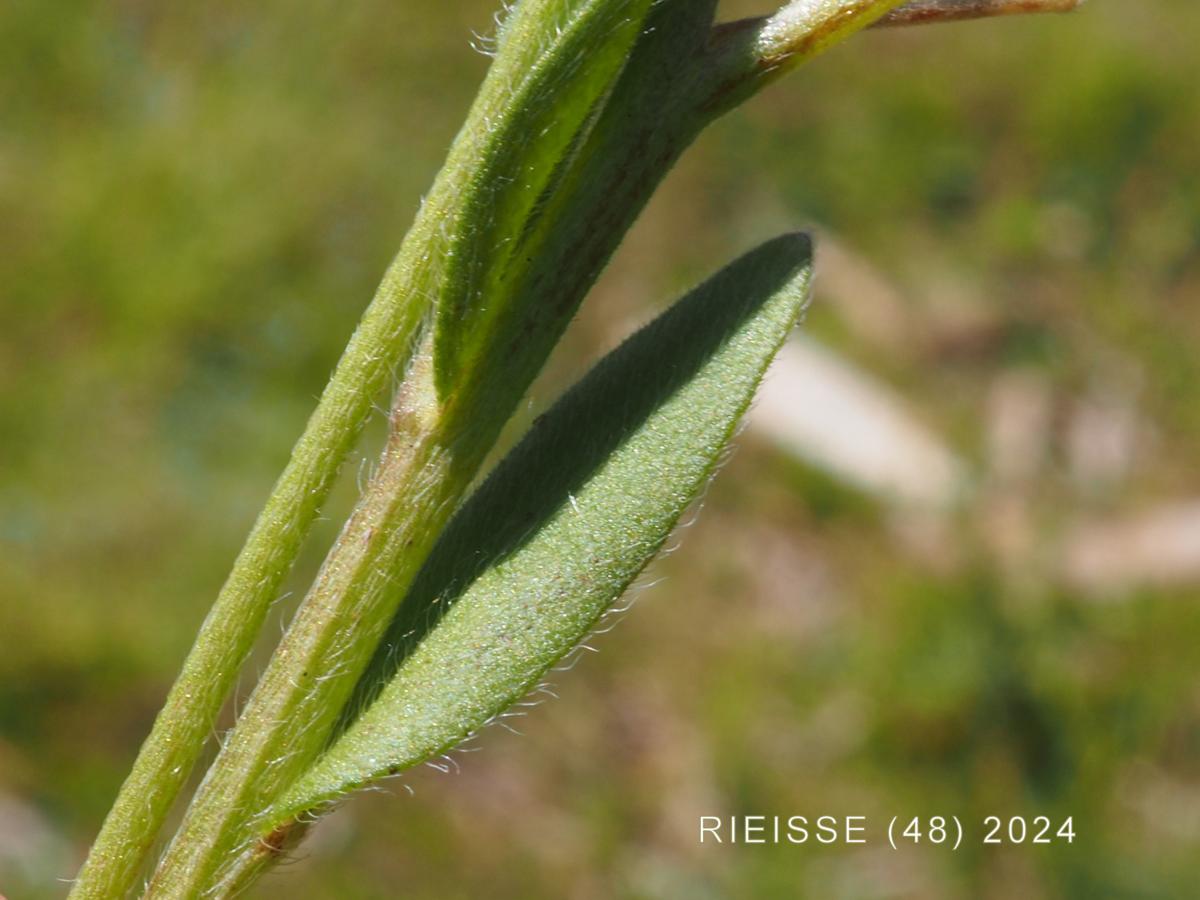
(378, 348)
(921, 12)
(423, 472)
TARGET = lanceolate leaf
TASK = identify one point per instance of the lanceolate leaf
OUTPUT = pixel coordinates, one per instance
(558, 61)
(565, 523)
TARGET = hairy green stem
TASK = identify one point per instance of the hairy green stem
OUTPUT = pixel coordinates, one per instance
(420, 478)
(378, 348)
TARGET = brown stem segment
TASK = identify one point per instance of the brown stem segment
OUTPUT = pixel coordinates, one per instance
(921, 12)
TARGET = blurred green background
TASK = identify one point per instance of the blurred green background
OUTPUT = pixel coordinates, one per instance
(197, 200)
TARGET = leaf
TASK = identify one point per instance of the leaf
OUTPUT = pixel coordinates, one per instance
(558, 61)
(565, 523)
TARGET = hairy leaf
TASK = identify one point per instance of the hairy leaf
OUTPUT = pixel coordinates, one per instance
(541, 98)
(566, 522)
